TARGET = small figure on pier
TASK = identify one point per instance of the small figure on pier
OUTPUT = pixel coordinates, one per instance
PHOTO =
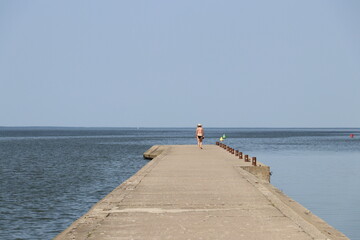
(199, 135)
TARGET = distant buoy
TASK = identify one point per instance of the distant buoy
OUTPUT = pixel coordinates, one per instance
(352, 135)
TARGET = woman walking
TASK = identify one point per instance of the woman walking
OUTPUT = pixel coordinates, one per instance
(199, 134)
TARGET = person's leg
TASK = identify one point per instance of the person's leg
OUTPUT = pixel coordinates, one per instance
(200, 142)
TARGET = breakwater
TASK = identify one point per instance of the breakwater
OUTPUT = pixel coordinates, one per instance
(185, 192)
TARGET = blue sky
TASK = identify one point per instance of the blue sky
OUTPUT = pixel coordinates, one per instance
(178, 63)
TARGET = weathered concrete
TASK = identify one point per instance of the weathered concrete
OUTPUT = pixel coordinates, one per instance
(154, 151)
(261, 171)
(189, 193)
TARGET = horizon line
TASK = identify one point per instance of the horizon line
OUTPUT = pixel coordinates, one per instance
(138, 127)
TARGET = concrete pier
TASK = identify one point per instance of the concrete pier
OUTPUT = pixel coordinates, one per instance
(191, 193)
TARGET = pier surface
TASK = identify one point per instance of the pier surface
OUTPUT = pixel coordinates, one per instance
(191, 193)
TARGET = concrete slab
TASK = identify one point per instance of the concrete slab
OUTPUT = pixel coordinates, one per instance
(189, 193)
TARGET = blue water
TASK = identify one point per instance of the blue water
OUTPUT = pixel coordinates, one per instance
(52, 176)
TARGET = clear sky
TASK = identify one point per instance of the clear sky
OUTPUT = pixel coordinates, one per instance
(150, 63)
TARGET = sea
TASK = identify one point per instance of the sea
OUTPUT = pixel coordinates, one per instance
(50, 176)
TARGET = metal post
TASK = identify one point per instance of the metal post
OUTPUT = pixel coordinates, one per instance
(254, 161)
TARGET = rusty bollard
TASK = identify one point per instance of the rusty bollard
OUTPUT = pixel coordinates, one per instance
(240, 155)
(247, 158)
(217, 143)
(236, 153)
(232, 151)
(254, 161)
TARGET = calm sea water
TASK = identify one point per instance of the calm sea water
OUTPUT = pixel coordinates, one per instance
(51, 176)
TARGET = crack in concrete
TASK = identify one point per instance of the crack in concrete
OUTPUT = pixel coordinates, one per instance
(161, 210)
